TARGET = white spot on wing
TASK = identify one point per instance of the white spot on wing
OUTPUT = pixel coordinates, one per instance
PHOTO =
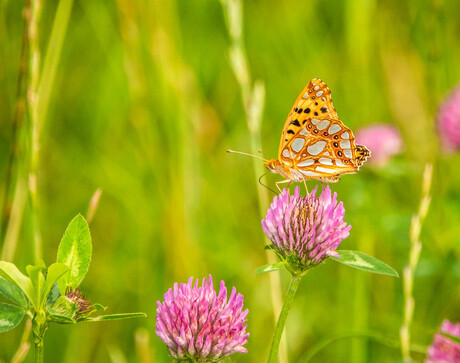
(316, 88)
(315, 121)
(297, 144)
(323, 124)
(306, 162)
(348, 153)
(323, 99)
(345, 144)
(316, 148)
(319, 93)
(334, 128)
(326, 170)
(327, 153)
(346, 135)
(308, 173)
(325, 161)
(304, 132)
(305, 95)
(286, 153)
(338, 162)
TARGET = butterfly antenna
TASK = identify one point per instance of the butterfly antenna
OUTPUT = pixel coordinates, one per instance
(242, 153)
(260, 182)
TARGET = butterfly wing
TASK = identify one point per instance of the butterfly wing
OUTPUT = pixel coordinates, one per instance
(315, 144)
(314, 101)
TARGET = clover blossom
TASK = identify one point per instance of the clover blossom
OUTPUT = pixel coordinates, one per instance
(199, 324)
(448, 120)
(383, 141)
(444, 349)
(305, 230)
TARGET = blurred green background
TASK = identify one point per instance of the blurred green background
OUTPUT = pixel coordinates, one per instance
(144, 104)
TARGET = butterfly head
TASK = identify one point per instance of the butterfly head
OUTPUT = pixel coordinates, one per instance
(271, 165)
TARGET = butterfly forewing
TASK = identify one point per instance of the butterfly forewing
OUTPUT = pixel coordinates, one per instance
(313, 102)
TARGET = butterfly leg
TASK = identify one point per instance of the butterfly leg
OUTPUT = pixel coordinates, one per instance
(305, 183)
(281, 182)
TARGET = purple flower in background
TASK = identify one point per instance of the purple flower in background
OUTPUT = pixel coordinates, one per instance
(383, 141)
(306, 230)
(443, 349)
(195, 322)
(449, 122)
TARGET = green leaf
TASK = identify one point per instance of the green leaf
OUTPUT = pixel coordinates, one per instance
(38, 280)
(113, 317)
(362, 261)
(10, 316)
(453, 337)
(11, 273)
(75, 252)
(55, 271)
(269, 268)
(12, 293)
(53, 295)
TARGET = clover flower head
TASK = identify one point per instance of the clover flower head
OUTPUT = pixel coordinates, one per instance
(383, 140)
(305, 230)
(196, 322)
(444, 349)
(448, 120)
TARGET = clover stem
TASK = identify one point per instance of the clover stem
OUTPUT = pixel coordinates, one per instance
(292, 289)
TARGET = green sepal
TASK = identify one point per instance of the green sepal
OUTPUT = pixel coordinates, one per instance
(64, 307)
(55, 317)
(12, 293)
(10, 316)
(112, 317)
(12, 274)
(363, 261)
(270, 267)
(99, 307)
(75, 251)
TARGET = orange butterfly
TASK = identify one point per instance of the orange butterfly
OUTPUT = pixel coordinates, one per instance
(315, 144)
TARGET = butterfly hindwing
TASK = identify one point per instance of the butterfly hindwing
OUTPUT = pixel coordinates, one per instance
(322, 148)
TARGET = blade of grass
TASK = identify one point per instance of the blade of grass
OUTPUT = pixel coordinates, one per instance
(253, 97)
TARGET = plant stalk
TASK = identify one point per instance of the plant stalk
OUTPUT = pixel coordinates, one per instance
(292, 289)
(409, 270)
(39, 351)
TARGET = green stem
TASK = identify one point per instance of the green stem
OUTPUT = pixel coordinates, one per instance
(39, 351)
(292, 289)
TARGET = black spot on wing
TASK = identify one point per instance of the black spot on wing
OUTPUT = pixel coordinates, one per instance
(296, 123)
(290, 132)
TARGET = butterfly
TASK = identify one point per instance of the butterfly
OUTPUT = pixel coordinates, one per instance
(315, 144)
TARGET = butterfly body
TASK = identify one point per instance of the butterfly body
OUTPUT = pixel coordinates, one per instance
(314, 143)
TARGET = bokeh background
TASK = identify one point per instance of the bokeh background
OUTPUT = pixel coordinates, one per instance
(143, 104)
